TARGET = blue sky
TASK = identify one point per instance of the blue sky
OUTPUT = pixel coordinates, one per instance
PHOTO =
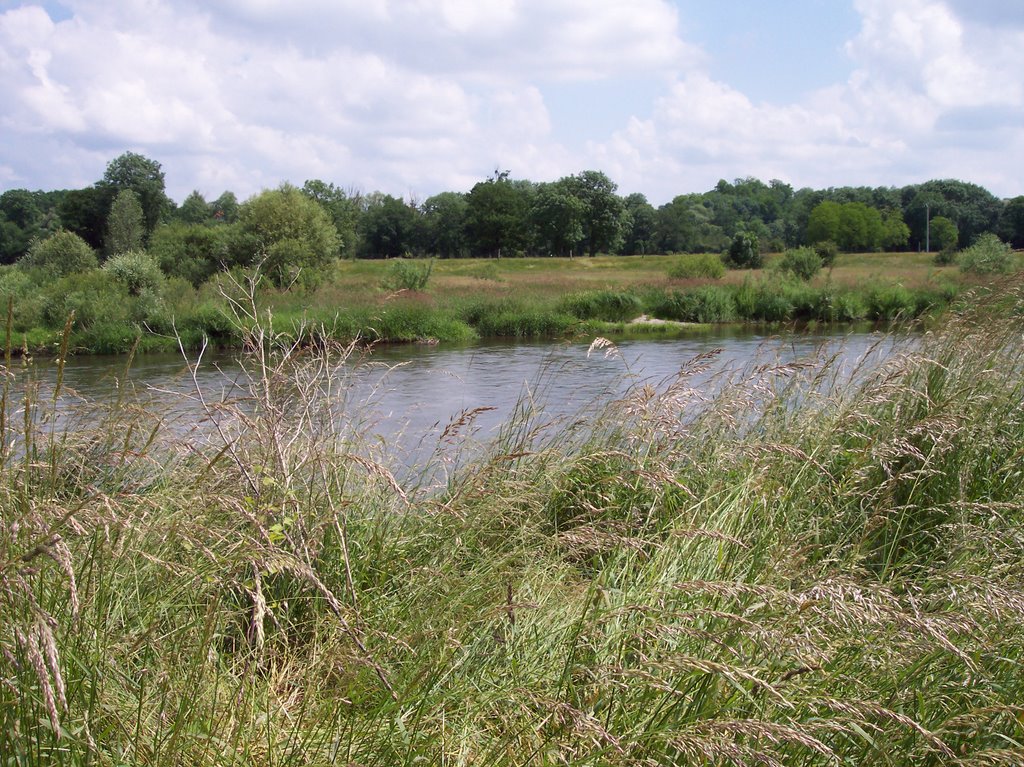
(413, 97)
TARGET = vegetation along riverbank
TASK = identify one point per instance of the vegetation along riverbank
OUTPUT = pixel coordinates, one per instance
(813, 567)
(509, 258)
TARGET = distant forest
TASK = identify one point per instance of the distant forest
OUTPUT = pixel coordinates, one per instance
(582, 214)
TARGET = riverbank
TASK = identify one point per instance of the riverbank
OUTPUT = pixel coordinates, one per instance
(797, 571)
(463, 300)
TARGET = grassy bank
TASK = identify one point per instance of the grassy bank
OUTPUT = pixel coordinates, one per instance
(465, 299)
(802, 570)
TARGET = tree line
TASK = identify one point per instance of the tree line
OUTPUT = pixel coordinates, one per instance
(297, 230)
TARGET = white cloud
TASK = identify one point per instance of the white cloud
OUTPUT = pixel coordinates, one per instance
(917, 64)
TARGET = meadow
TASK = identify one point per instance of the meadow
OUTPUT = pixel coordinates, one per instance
(811, 567)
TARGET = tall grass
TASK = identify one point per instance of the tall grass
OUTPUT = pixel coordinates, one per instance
(811, 566)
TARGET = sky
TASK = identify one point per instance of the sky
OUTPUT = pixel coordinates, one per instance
(415, 97)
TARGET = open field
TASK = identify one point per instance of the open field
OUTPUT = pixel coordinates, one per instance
(799, 571)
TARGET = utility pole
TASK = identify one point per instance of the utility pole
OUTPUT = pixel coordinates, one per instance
(927, 227)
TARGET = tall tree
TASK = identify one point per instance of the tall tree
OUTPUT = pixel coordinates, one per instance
(641, 226)
(556, 215)
(343, 209)
(496, 216)
(444, 220)
(603, 211)
(389, 227)
(144, 177)
(125, 228)
(1011, 222)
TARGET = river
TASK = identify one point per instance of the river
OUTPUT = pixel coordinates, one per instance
(403, 398)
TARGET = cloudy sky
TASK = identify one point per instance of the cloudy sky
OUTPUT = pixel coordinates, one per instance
(413, 97)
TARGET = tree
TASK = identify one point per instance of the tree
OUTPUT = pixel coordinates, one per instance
(60, 254)
(944, 234)
(1011, 222)
(444, 222)
(290, 233)
(125, 228)
(556, 215)
(860, 227)
(895, 232)
(193, 252)
(603, 213)
(84, 212)
(20, 220)
(496, 216)
(389, 228)
(144, 177)
(972, 208)
(341, 207)
(641, 226)
(194, 209)
(824, 222)
(225, 208)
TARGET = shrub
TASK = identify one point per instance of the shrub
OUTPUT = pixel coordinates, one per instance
(706, 304)
(745, 252)
(136, 270)
(827, 252)
(945, 257)
(890, 302)
(802, 263)
(988, 255)
(606, 305)
(405, 274)
(60, 254)
(697, 265)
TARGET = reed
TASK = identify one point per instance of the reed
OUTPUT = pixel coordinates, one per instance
(794, 564)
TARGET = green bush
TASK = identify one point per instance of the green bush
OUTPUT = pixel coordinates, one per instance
(697, 265)
(745, 252)
(890, 302)
(988, 255)
(95, 297)
(60, 254)
(606, 305)
(802, 263)
(136, 270)
(827, 252)
(706, 304)
(405, 274)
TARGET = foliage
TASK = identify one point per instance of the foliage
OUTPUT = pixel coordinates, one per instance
(1011, 222)
(136, 270)
(943, 234)
(60, 254)
(194, 210)
(705, 304)
(193, 252)
(343, 210)
(408, 274)
(444, 223)
(389, 228)
(802, 263)
(989, 255)
(827, 252)
(557, 216)
(125, 227)
(496, 216)
(640, 233)
(745, 252)
(606, 305)
(289, 233)
(144, 177)
(695, 266)
(791, 566)
(603, 217)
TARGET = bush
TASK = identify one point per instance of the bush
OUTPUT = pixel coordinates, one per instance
(890, 302)
(745, 252)
(988, 255)
(945, 257)
(802, 263)
(827, 252)
(606, 305)
(60, 254)
(404, 274)
(136, 270)
(697, 265)
(706, 304)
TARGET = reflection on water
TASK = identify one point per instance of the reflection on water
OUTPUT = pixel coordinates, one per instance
(404, 397)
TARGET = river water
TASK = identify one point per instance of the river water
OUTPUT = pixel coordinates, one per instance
(403, 398)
